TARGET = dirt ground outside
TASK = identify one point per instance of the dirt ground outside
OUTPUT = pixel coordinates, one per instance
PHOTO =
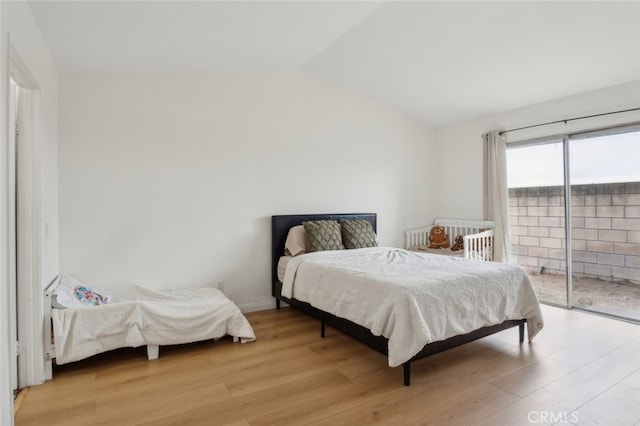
(616, 298)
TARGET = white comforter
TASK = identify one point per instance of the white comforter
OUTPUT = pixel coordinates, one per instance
(412, 299)
(153, 318)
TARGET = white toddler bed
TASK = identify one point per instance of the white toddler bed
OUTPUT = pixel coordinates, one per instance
(477, 235)
(136, 316)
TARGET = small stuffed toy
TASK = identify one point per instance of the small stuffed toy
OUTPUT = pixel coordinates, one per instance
(458, 243)
(438, 238)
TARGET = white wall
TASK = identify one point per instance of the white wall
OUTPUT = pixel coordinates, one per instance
(171, 179)
(28, 42)
(19, 30)
(459, 148)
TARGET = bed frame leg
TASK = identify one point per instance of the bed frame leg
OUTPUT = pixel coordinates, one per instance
(277, 303)
(322, 329)
(521, 329)
(152, 352)
(407, 373)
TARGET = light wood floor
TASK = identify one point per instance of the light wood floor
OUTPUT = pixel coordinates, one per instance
(580, 367)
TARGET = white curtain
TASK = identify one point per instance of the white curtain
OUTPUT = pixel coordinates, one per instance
(496, 197)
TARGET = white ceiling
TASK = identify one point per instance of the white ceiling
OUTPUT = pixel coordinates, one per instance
(444, 62)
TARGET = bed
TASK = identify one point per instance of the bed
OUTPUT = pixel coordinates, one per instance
(132, 316)
(338, 293)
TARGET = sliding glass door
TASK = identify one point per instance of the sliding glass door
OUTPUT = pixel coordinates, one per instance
(537, 216)
(605, 221)
(585, 254)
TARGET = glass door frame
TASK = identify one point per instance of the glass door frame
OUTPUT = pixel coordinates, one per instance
(568, 234)
(566, 138)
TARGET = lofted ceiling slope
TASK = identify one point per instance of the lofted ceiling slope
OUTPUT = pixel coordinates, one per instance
(443, 62)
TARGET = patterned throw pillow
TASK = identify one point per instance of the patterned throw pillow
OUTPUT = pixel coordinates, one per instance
(90, 297)
(322, 235)
(358, 234)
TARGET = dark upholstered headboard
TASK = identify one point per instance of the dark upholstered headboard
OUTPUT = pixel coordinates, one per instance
(281, 224)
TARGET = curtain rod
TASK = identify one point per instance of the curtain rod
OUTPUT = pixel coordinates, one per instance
(568, 119)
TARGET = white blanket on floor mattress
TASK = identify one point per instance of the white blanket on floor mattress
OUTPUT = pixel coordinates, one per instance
(412, 298)
(152, 318)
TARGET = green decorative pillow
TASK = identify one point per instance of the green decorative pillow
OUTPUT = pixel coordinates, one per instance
(358, 234)
(322, 235)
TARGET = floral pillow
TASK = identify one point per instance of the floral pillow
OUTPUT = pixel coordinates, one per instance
(91, 297)
(71, 293)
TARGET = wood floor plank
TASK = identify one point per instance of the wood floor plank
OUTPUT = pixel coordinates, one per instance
(575, 389)
(81, 407)
(318, 406)
(159, 389)
(251, 405)
(291, 376)
(618, 405)
(583, 351)
(533, 376)
(633, 379)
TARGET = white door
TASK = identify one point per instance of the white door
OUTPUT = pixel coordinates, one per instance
(12, 234)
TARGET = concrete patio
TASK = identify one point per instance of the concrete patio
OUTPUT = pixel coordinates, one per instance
(609, 297)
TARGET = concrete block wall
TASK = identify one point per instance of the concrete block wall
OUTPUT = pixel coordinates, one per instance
(605, 233)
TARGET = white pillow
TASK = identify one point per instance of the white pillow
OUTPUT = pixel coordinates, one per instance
(295, 243)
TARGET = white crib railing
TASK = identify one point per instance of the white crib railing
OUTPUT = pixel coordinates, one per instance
(477, 245)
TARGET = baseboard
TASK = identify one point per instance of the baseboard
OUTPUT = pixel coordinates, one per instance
(258, 306)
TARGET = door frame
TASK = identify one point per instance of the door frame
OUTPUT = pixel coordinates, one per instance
(29, 289)
(565, 139)
(12, 242)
